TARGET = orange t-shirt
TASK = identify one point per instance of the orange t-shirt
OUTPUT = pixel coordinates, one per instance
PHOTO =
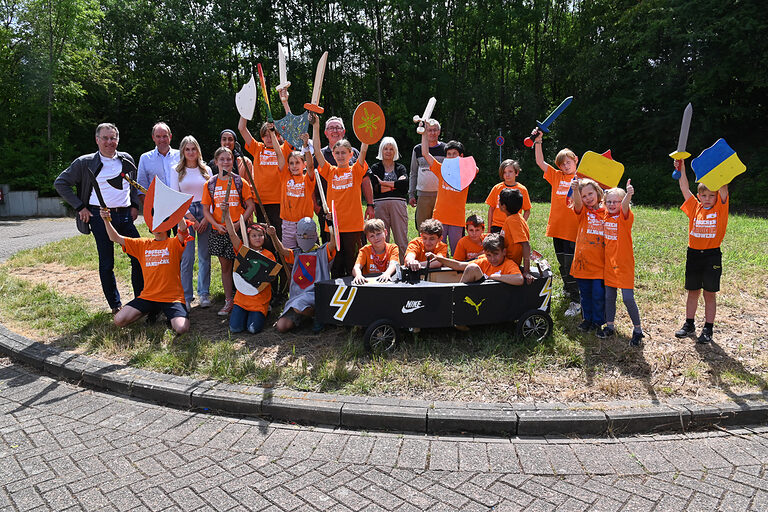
(467, 249)
(265, 171)
(416, 246)
(371, 263)
(450, 203)
(706, 228)
(296, 195)
(260, 301)
(508, 267)
(589, 255)
(619, 255)
(220, 192)
(160, 265)
(493, 200)
(516, 233)
(562, 223)
(344, 188)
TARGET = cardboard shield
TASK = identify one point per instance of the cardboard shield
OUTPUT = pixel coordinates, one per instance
(459, 172)
(601, 168)
(252, 271)
(164, 207)
(717, 165)
(304, 270)
(291, 127)
(368, 122)
(245, 100)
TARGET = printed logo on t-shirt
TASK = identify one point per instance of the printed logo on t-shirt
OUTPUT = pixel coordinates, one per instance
(343, 180)
(594, 224)
(611, 228)
(294, 188)
(221, 192)
(268, 157)
(563, 187)
(706, 227)
(155, 257)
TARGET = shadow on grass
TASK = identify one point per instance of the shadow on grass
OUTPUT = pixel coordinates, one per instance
(721, 363)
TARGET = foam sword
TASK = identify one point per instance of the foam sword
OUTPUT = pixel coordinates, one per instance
(314, 106)
(421, 121)
(682, 140)
(282, 69)
(543, 126)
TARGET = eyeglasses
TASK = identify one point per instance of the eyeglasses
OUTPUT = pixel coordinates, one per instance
(612, 202)
(334, 128)
(109, 139)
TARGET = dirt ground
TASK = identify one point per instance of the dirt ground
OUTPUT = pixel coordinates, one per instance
(664, 367)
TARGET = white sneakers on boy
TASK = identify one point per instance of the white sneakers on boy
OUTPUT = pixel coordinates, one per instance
(205, 301)
(573, 310)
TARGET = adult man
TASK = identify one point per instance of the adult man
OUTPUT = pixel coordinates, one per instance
(334, 132)
(123, 202)
(423, 182)
(161, 161)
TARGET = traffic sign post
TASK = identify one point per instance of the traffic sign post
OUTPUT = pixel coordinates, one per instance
(500, 142)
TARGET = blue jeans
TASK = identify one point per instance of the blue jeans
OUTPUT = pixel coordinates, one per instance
(240, 319)
(123, 224)
(203, 258)
(592, 300)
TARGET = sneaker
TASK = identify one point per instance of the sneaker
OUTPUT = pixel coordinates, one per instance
(573, 309)
(705, 336)
(585, 326)
(205, 301)
(605, 332)
(636, 337)
(227, 309)
(686, 330)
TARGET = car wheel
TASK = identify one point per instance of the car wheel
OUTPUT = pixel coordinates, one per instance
(381, 336)
(534, 325)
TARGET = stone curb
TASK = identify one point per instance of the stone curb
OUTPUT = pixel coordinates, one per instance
(373, 413)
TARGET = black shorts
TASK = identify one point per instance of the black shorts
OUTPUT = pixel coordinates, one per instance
(170, 309)
(703, 269)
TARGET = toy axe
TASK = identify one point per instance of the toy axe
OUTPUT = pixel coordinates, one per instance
(97, 190)
(682, 140)
(421, 121)
(314, 106)
(117, 181)
(543, 126)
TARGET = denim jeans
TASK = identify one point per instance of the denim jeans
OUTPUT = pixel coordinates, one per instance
(123, 224)
(203, 258)
(240, 320)
(592, 300)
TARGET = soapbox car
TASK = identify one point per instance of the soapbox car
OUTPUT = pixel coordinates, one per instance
(435, 298)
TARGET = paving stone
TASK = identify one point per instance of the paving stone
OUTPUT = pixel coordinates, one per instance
(413, 454)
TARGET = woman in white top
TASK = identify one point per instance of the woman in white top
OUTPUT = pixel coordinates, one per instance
(190, 177)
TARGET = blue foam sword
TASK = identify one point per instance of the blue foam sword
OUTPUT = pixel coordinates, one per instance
(543, 126)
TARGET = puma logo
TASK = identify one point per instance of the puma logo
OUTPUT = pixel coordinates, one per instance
(469, 301)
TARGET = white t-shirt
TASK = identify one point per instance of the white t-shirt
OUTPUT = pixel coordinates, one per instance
(192, 183)
(113, 197)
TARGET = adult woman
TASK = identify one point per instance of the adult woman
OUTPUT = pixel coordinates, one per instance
(228, 139)
(238, 192)
(190, 177)
(390, 193)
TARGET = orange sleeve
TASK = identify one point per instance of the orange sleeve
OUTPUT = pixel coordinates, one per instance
(247, 193)
(461, 250)
(289, 258)
(362, 257)
(526, 197)
(394, 254)
(207, 199)
(493, 196)
(436, 167)
(441, 249)
(325, 171)
(413, 247)
(358, 169)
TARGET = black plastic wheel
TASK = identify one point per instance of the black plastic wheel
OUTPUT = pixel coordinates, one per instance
(381, 336)
(534, 325)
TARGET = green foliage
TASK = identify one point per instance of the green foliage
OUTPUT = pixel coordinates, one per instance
(631, 66)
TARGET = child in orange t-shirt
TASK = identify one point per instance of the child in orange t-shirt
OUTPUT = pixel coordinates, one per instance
(251, 305)
(219, 243)
(508, 171)
(562, 224)
(707, 222)
(589, 258)
(428, 241)
(296, 187)
(450, 203)
(160, 260)
(471, 246)
(344, 184)
(517, 236)
(377, 257)
(492, 264)
(619, 269)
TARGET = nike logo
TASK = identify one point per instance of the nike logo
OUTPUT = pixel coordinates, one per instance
(411, 306)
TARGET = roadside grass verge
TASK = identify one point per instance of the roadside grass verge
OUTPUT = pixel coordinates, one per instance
(485, 364)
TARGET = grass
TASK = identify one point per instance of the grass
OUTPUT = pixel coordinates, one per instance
(484, 364)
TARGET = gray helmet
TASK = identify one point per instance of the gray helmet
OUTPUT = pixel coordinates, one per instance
(306, 234)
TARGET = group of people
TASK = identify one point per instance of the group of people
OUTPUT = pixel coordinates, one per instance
(591, 228)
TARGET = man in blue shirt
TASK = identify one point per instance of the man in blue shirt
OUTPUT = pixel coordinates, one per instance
(161, 161)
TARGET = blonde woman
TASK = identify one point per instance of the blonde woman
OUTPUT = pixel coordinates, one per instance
(390, 193)
(190, 177)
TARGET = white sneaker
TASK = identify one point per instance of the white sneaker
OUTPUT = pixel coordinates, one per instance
(227, 309)
(573, 310)
(205, 301)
